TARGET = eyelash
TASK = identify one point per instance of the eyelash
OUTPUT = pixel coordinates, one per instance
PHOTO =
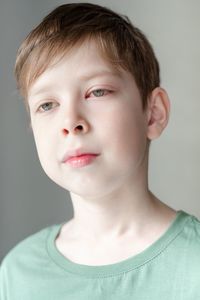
(97, 90)
(105, 92)
(43, 105)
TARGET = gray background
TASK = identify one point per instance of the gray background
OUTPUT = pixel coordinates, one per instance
(29, 200)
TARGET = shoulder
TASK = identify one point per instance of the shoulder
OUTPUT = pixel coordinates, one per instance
(188, 231)
(23, 263)
(28, 249)
(191, 234)
(188, 246)
(191, 230)
(182, 243)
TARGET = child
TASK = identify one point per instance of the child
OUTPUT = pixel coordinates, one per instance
(91, 86)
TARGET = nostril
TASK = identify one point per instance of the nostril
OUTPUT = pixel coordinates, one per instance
(79, 127)
(65, 131)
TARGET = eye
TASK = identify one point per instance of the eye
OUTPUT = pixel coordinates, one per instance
(99, 93)
(45, 106)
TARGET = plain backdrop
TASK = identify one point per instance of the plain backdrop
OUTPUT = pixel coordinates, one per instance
(29, 200)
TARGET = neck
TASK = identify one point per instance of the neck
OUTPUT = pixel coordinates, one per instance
(128, 210)
(116, 217)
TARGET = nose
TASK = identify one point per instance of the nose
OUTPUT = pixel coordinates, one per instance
(73, 116)
(78, 126)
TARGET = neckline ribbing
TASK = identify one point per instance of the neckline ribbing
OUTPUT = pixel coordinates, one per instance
(123, 266)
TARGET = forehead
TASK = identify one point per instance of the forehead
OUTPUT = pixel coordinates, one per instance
(85, 57)
(84, 62)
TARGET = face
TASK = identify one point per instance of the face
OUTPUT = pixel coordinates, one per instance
(82, 105)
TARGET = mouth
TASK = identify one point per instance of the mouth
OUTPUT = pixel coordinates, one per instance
(81, 160)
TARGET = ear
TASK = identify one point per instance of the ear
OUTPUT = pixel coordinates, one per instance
(157, 113)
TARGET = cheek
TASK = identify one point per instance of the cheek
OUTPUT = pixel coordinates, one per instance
(44, 145)
(128, 135)
(126, 124)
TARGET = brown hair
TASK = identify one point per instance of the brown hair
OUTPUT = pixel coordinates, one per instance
(121, 43)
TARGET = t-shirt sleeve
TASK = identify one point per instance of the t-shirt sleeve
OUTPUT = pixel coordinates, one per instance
(3, 281)
(18, 266)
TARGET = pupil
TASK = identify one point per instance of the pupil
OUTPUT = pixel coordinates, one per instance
(46, 105)
(99, 92)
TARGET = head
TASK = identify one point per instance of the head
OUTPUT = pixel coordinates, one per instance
(122, 45)
(80, 37)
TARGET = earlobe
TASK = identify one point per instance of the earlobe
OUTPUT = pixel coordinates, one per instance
(157, 113)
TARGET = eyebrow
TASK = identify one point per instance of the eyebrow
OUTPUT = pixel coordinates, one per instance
(84, 77)
(114, 73)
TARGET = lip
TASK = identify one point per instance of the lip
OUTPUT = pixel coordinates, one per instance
(81, 160)
(77, 154)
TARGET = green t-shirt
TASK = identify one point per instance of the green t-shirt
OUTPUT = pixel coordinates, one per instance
(168, 269)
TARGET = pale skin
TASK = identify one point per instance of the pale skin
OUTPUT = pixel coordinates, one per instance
(115, 214)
